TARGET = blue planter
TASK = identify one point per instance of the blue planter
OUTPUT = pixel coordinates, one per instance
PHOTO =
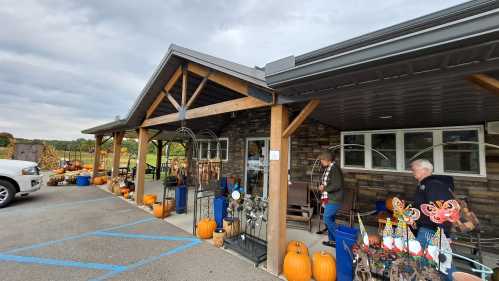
(83, 180)
(220, 208)
(181, 199)
(345, 239)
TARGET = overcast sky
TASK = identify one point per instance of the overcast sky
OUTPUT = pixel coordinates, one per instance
(69, 65)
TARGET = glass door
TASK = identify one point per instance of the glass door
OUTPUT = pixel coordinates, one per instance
(257, 166)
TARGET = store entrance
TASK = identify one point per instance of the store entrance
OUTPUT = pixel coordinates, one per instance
(256, 176)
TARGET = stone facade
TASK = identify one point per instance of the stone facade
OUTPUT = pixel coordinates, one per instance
(313, 137)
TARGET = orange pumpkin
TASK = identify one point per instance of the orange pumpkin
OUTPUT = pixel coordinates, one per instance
(297, 266)
(205, 228)
(323, 266)
(98, 181)
(159, 212)
(389, 203)
(104, 179)
(294, 246)
(149, 199)
(124, 190)
(373, 239)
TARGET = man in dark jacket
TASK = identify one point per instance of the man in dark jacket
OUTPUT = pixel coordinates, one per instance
(332, 188)
(431, 188)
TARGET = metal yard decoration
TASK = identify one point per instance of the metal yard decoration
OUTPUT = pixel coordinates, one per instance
(252, 212)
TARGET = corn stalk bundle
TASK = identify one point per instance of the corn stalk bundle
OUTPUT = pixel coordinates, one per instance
(49, 158)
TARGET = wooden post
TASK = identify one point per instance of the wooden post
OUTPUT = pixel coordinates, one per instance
(159, 153)
(98, 143)
(141, 165)
(117, 141)
(278, 189)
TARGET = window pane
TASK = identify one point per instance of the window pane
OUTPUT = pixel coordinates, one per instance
(384, 144)
(414, 143)
(461, 158)
(213, 149)
(354, 154)
(203, 146)
(223, 149)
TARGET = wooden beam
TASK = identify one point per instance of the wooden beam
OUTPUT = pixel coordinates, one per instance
(159, 154)
(117, 141)
(173, 79)
(198, 91)
(209, 110)
(220, 78)
(155, 104)
(173, 101)
(306, 111)
(162, 94)
(141, 165)
(278, 190)
(184, 85)
(155, 135)
(485, 81)
(98, 144)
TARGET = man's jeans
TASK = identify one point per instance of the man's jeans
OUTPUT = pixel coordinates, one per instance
(330, 211)
(424, 237)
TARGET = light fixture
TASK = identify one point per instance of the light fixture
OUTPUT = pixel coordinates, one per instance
(385, 117)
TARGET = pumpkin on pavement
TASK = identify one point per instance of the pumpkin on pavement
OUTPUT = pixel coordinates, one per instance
(323, 266)
(149, 199)
(294, 246)
(297, 266)
(205, 228)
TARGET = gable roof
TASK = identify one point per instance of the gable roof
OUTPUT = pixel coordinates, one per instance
(175, 56)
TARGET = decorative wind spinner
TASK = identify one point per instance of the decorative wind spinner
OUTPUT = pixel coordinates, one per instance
(399, 237)
(442, 211)
(406, 213)
(440, 244)
(363, 233)
(388, 235)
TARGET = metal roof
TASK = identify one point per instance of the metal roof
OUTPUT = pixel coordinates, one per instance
(437, 30)
(175, 56)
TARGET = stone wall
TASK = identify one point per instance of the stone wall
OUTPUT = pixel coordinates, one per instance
(313, 137)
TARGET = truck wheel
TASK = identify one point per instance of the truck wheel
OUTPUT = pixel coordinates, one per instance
(7, 192)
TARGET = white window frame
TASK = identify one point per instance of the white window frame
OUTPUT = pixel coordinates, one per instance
(209, 142)
(438, 154)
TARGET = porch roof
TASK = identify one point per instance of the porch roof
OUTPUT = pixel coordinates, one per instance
(175, 57)
(414, 74)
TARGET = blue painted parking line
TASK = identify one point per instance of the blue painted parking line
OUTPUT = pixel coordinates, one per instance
(112, 269)
(143, 236)
(131, 267)
(55, 206)
(86, 234)
(63, 263)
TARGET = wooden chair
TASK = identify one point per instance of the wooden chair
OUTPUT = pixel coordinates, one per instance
(349, 206)
(299, 207)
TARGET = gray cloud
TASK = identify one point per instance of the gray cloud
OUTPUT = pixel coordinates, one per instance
(69, 65)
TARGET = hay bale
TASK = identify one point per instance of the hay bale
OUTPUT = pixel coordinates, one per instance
(11, 147)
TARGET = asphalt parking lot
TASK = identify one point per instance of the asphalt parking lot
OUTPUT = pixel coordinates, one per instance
(71, 233)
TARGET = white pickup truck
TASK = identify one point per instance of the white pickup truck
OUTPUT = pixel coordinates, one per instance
(17, 176)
